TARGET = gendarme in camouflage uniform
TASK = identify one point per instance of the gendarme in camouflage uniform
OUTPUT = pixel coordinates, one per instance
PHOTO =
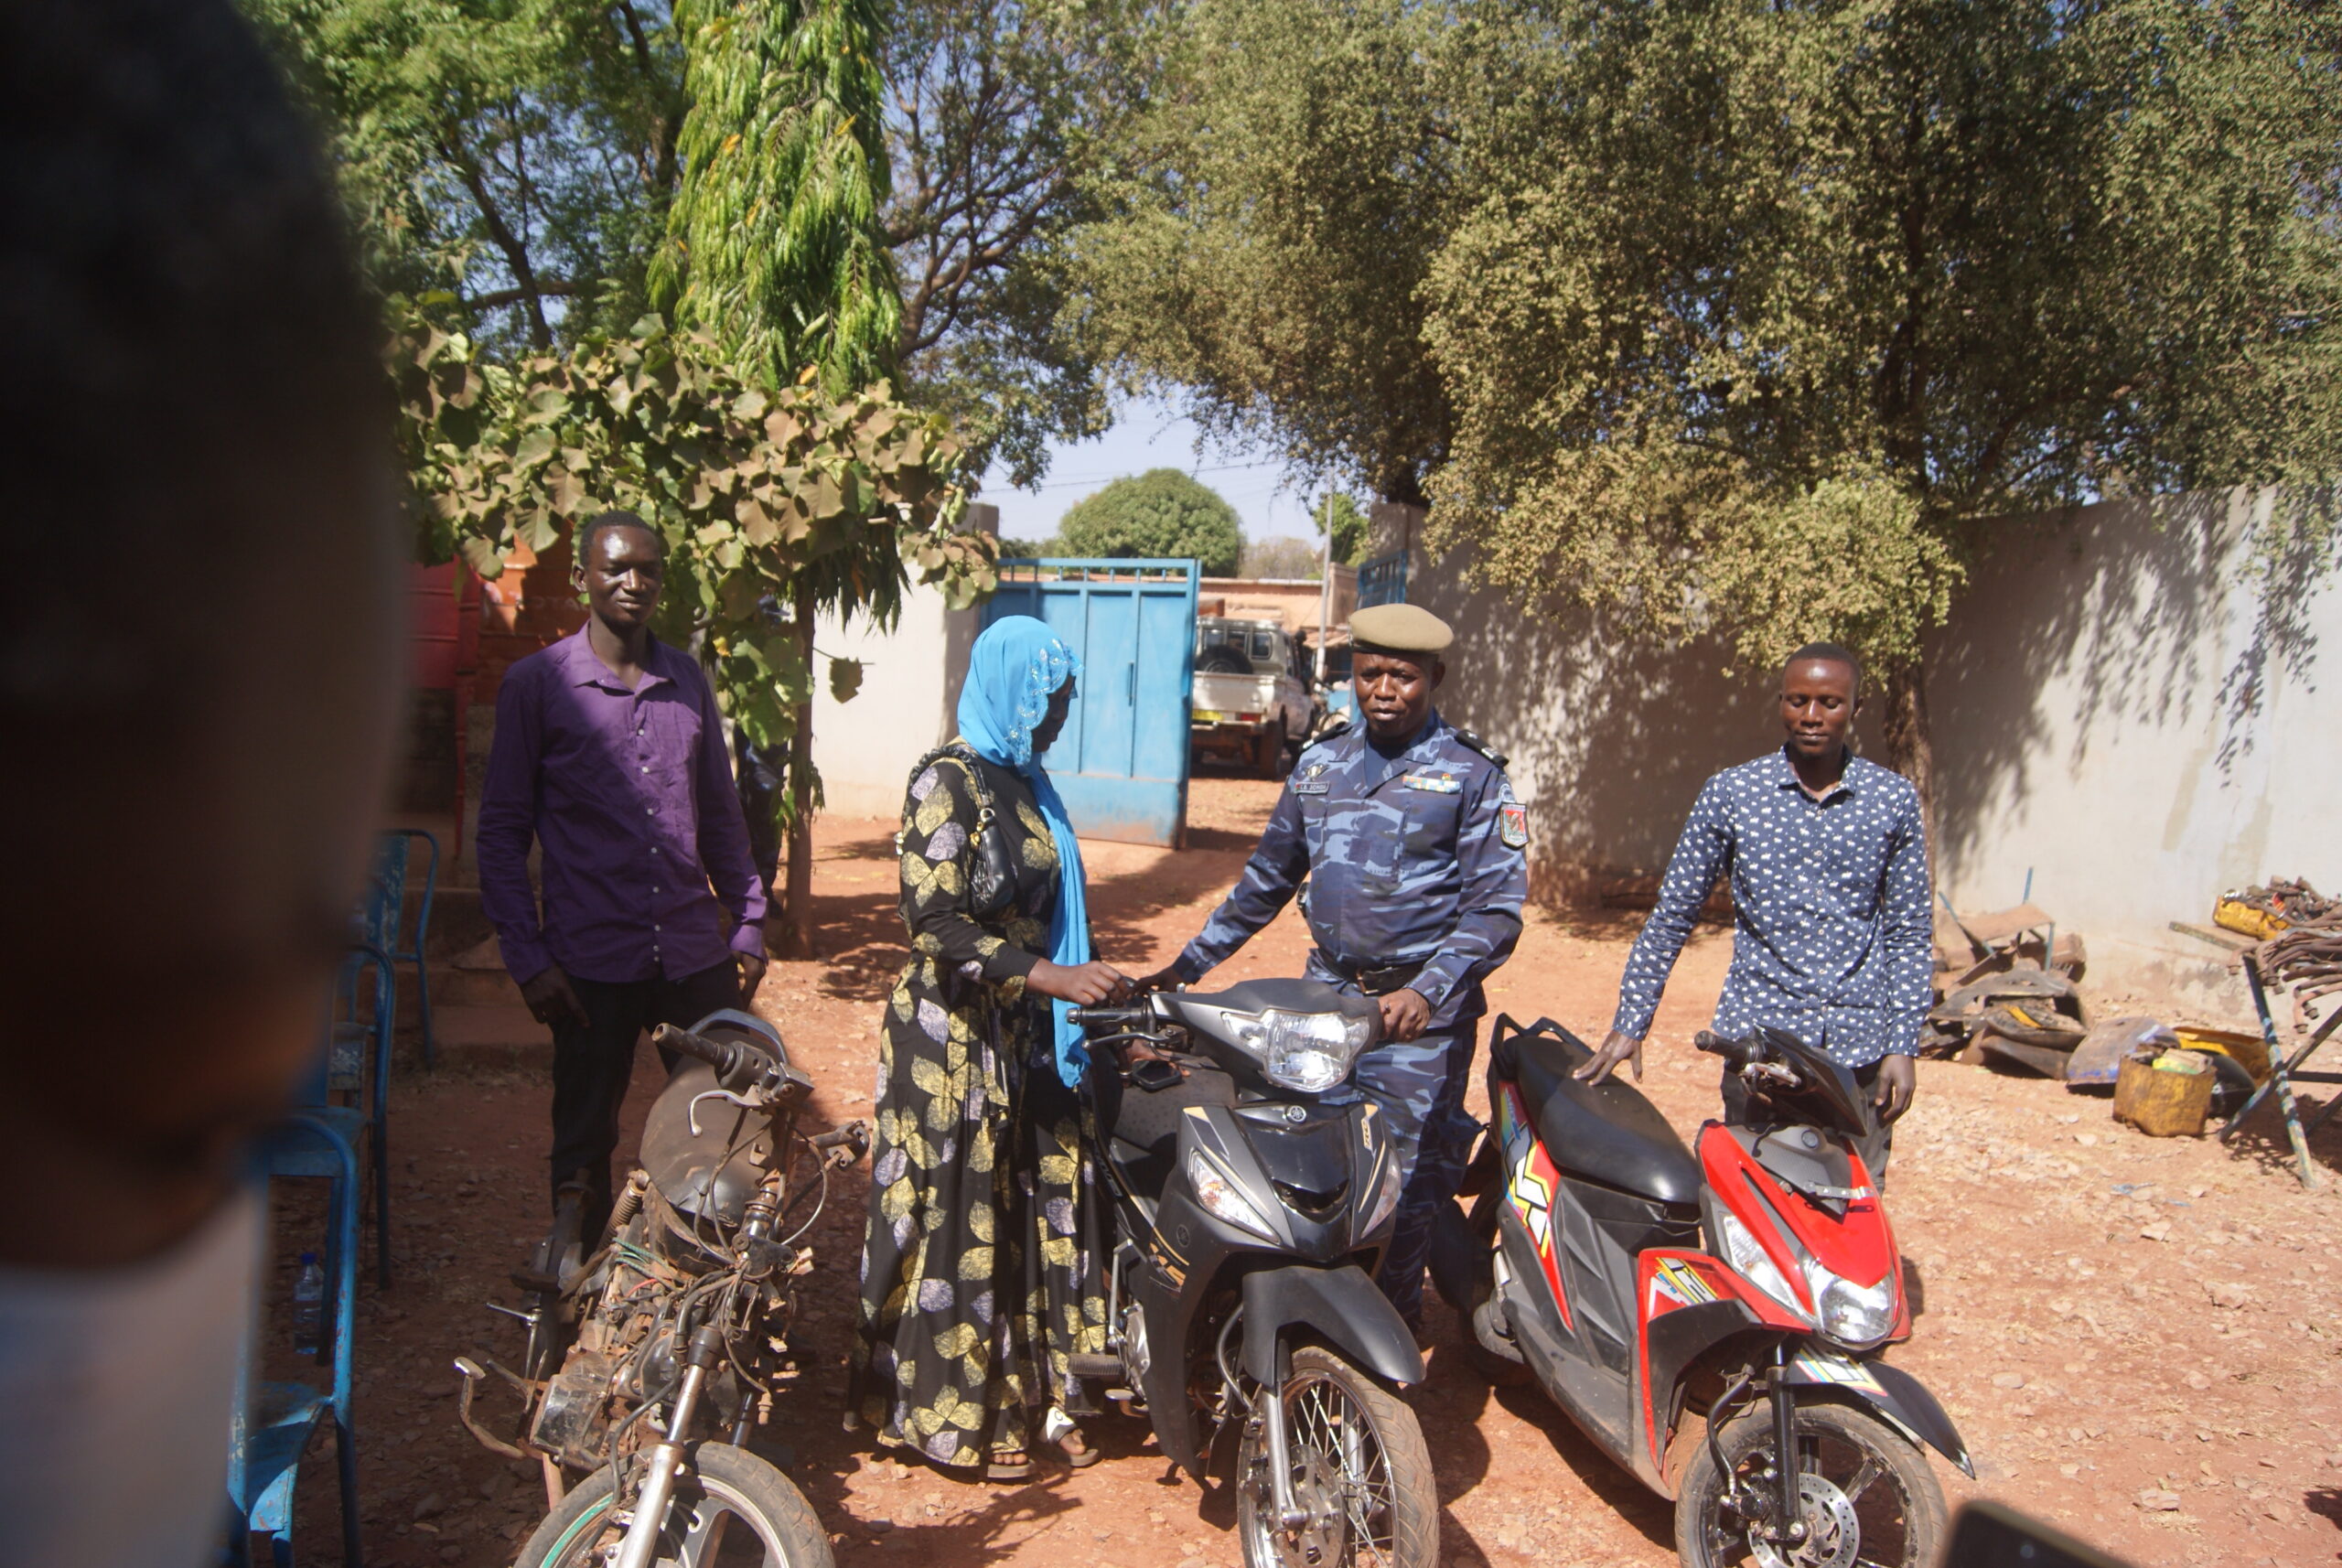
(1416, 871)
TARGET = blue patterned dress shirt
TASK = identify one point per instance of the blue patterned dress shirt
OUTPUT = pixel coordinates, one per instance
(1832, 936)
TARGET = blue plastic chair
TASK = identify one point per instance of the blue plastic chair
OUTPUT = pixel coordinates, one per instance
(357, 1064)
(274, 1421)
(386, 912)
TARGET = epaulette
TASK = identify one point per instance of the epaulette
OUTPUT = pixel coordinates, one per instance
(1333, 726)
(1482, 746)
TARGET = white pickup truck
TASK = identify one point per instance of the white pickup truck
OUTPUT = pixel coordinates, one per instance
(1250, 701)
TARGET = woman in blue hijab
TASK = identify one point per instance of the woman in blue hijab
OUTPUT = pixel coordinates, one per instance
(980, 1277)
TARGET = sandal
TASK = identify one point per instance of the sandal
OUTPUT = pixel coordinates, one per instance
(1077, 1450)
(1008, 1465)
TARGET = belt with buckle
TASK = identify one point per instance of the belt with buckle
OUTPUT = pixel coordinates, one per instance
(1375, 980)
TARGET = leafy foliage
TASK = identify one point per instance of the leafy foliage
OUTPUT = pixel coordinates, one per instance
(1161, 512)
(1794, 298)
(774, 244)
(755, 492)
(1351, 528)
(1739, 316)
(516, 155)
(1288, 189)
(1003, 112)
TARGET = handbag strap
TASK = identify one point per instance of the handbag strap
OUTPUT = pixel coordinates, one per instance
(965, 756)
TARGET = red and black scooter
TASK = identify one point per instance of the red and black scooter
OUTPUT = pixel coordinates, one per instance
(1752, 1284)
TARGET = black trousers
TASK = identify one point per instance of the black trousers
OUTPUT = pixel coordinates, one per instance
(592, 1061)
(1875, 1150)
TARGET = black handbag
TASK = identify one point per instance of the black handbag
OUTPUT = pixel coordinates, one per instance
(992, 873)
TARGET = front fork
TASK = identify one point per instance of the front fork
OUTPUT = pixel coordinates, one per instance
(1781, 1516)
(666, 1459)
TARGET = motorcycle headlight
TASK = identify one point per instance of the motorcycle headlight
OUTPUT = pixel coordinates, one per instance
(1742, 1250)
(1309, 1052)
(1857, 1316)
(1217, 1192)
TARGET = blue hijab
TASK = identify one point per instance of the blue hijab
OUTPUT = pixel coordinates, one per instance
(1016, 665)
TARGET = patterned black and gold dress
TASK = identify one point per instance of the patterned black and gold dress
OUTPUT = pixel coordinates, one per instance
(980, 1268)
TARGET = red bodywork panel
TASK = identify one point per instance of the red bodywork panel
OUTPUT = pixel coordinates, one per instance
(1860, 1248)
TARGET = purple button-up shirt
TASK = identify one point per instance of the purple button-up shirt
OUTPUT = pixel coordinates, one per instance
(647, 868)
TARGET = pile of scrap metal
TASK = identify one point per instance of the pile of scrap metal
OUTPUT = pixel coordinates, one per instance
(2281, 905)
(2006, 983)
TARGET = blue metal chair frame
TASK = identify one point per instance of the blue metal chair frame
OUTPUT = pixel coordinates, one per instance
(274, 1421)
(386, 916)
(358, 1063)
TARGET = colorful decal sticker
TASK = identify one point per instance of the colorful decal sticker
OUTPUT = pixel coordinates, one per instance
(1818, 1368)
(1532, 1183)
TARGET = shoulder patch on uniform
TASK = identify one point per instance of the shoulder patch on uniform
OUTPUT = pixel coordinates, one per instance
(1512, 823)
(1482, 746)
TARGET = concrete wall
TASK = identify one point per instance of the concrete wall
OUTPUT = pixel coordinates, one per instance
(910, 689)
(2119, 706)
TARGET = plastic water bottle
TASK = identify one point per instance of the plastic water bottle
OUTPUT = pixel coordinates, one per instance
(309, 1307)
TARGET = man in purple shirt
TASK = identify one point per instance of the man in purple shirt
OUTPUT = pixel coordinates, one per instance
(609, 753)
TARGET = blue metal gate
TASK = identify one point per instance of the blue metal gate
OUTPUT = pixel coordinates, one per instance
(1122, 761)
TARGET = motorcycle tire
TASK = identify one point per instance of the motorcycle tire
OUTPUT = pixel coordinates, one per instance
(731, 1510)
(1897, 1515)
(1353, 1436)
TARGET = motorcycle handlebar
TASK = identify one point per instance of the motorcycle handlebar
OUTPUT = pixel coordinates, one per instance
(1110, 1018)
(1738, 1054)
(726, 1060)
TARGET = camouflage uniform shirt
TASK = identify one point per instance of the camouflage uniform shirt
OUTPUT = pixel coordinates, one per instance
(1416, 857)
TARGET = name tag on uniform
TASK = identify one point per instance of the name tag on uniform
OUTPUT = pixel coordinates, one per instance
(1311, 780)
(1437, 783)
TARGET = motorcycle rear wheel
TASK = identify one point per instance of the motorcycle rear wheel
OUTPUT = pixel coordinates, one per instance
(1869, 1496)
(732, 1511)
(1352, 1442)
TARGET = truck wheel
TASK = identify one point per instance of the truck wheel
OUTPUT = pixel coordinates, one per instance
(1268, 752)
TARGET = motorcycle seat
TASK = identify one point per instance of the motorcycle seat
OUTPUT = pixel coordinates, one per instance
(1606, 1132)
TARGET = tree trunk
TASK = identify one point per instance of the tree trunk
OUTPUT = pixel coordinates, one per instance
(1911, 743)
(797, 915)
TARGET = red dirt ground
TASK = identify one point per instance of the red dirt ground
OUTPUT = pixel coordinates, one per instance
(2137, 1338)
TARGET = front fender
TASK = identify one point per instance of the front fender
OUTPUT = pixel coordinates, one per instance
(1340, 1305)
(1894, 1393)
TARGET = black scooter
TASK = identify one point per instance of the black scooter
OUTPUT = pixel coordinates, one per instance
(1249, 1218)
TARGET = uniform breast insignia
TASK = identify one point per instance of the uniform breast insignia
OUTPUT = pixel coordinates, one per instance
(1312, 779)
(1437, 783)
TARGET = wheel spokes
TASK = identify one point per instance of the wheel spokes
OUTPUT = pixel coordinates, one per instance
(1859, 1482)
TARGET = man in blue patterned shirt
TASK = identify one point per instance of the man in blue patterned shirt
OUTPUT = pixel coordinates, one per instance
(1832, 936)
(1411, 842)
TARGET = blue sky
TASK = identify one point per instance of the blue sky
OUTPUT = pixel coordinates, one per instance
(1149, 433)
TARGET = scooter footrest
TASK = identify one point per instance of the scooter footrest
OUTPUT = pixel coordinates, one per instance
(1084, 1365)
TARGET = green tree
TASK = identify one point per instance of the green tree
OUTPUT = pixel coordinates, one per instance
(774, 242)
(515, 156)
(1349, 525)
(1161, 512)
(1260, 248)
(1793, 301)
(1283, 556)
(1738, 316)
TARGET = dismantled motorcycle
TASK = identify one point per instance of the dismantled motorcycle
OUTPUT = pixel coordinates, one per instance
(652, 1354)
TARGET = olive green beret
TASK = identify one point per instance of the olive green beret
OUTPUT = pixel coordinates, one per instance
(1400, 628)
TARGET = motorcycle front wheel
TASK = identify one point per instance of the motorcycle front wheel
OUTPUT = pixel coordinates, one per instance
(730, 1510)
(1867, 1496)
(1360, 1469)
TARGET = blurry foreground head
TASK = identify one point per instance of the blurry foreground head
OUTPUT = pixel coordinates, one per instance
(198, 645)
(197, 679)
